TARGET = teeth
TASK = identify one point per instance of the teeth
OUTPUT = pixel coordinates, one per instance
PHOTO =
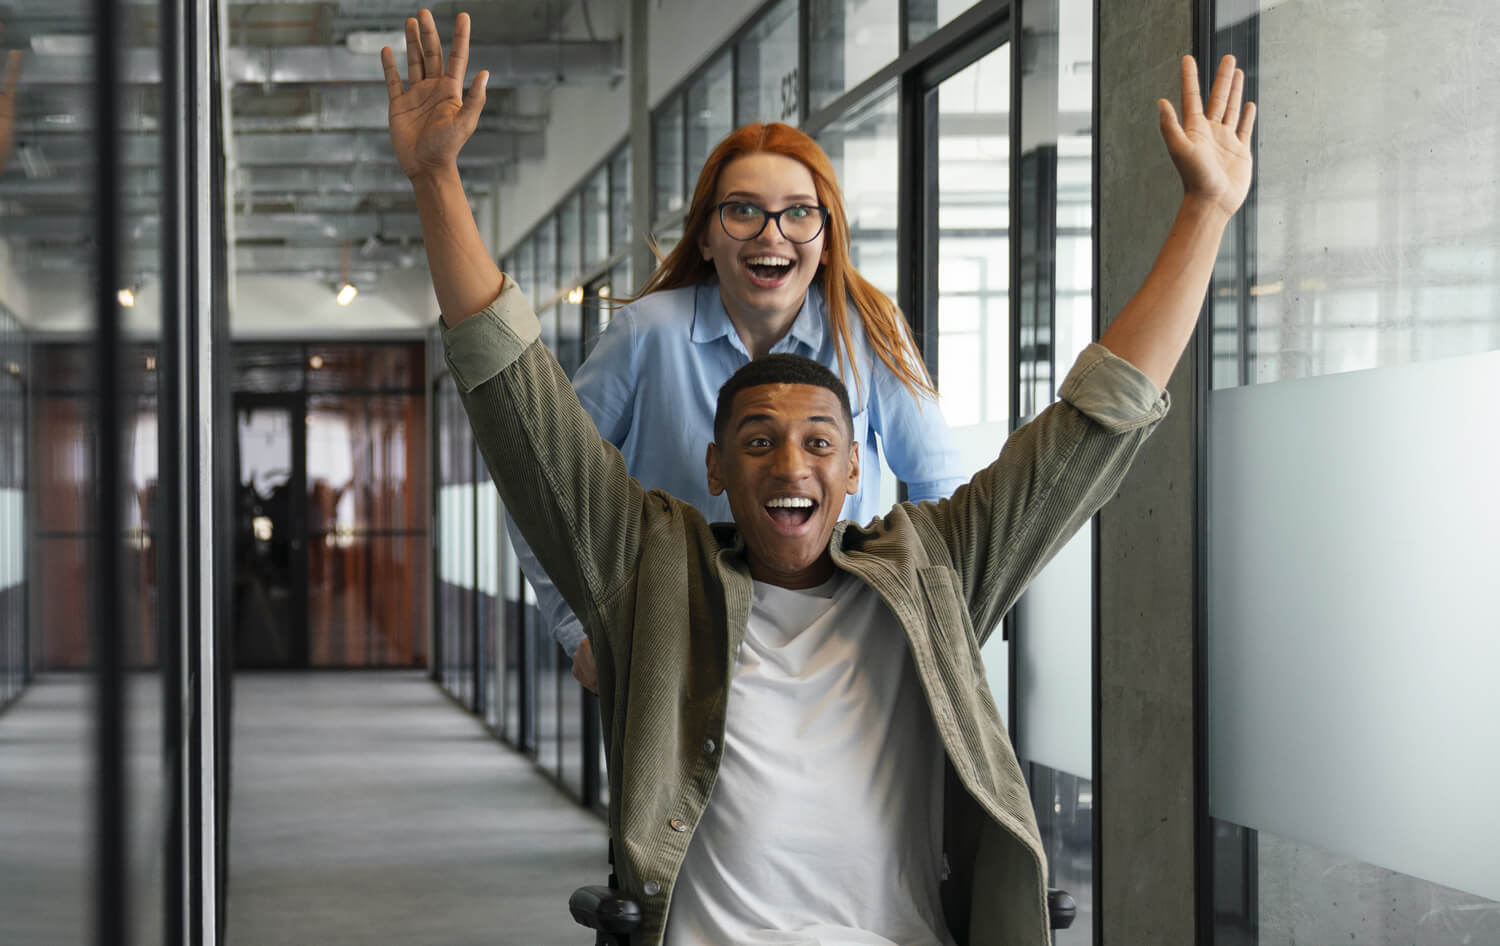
(768, 261)
(791, 502)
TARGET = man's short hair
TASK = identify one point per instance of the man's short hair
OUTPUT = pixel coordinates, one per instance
(780, 368)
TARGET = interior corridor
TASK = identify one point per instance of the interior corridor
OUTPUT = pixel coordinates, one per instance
(368, 808)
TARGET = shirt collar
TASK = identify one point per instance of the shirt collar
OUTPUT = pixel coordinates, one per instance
(711, 321)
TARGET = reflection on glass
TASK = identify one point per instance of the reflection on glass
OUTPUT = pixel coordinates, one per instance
(569, 242)
(366, 518)
(710, 112)
(268, 554)
(524, 272)
(924, 17)
(1383, 250)
(974, 254)
(666, 129)
(850, 40)
(570, 726)
(619, 201)
(1268, 889)
(768, 85)
(863, 148)
(545, 273)
(596, 219)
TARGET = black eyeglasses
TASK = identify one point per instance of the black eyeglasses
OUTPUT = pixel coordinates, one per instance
(799, 223)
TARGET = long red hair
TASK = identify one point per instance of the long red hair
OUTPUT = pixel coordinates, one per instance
(885, 328)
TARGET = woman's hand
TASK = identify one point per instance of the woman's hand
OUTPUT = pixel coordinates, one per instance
(1211, 147)
(431, 119)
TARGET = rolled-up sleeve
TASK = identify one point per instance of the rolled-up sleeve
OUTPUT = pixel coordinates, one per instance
(1115, 394)
(488, 342)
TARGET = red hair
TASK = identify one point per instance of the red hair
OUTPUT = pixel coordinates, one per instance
(885, 328)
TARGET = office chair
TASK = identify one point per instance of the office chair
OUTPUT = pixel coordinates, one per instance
(613, 916)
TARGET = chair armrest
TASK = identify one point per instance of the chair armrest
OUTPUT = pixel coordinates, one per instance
(605, 909)
(1061, 909)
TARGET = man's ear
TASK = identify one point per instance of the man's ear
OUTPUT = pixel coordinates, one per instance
(715, 481)
(853, 486)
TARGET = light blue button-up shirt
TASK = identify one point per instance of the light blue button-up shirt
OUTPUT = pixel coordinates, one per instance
(651, 385)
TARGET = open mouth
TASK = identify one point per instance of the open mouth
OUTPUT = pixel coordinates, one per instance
(768, 272)
(791, 512)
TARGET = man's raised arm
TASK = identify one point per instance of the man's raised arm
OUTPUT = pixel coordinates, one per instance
(1211, 148)
(430, 119)
(1003, 526)
(566, 489)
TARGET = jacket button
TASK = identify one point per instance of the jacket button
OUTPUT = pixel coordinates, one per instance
(652, 888)
(678, 824)
(708, 747)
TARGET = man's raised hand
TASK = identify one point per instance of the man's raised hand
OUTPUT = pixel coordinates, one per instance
(430, 117)
(1211, 147)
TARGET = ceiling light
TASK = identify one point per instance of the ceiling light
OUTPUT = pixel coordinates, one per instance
(604, 292)
(62, 44)
(126, 297)
(575, 295)
(316, 361)
(370, 42)
(347, 292)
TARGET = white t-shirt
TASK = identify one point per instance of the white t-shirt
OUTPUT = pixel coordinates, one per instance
(825, 823)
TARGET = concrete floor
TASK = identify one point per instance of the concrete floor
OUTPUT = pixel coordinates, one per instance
(369, 809)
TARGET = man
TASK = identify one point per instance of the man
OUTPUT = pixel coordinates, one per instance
(801, 744)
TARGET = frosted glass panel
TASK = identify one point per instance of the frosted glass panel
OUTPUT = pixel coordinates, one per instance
(1355, 615)
(456, 520)
(12, 537)
(1054, 674)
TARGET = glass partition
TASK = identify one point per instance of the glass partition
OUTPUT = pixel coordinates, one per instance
(849, 41)
(768, 85)
(666, 131)
(1351, 558)
(710, 114)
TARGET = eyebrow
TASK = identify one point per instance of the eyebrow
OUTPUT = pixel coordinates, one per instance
(745, 196)
(753, 418)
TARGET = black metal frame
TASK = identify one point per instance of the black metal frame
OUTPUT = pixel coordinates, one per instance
(1206, 40)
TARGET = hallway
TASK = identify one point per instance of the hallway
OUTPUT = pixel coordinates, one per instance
(369, 809)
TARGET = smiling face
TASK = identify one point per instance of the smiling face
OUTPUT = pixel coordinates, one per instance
(787, 459)
(764, 279)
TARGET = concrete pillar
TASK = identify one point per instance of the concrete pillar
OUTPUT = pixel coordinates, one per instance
(1146, 606)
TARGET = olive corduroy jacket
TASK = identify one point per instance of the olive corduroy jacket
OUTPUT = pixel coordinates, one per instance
(664, 598)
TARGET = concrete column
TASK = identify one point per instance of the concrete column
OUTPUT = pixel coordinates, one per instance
(1145, 782)
(642, 155)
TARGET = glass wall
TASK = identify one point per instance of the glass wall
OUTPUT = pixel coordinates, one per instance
(1352, 446)
(13, 532)
(108, 742)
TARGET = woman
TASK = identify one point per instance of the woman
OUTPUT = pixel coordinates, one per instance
(763, 267)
